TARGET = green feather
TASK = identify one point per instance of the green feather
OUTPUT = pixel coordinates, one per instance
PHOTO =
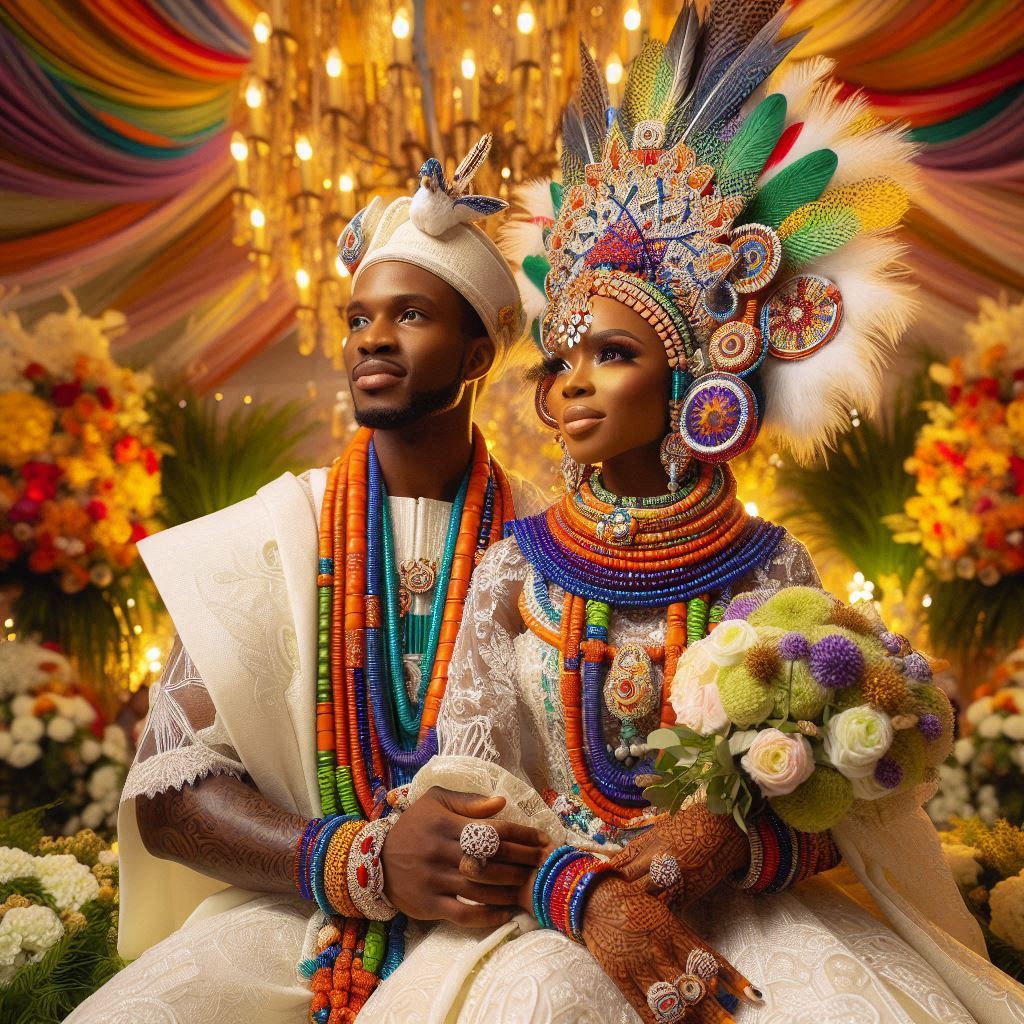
(755, 140)
(536, 270)
(825, 230)
(556, 197)
(803, 181)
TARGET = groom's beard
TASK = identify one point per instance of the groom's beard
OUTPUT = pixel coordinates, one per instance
(420, 406)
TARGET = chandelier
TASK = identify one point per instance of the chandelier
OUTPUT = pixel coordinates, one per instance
(346, 98)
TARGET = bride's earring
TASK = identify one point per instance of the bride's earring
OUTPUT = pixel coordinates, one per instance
(675, 452)
(572, 471)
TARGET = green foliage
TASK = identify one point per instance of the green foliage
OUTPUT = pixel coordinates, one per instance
(219, 460)
(840, 501)
(23, 830)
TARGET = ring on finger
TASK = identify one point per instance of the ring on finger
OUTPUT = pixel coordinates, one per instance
(471, 867)
(702, 962)
(666, 1002)
(479, 841)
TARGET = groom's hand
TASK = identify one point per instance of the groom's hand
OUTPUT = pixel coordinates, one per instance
(421, 861)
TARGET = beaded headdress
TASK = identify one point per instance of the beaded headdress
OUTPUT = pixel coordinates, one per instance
(435, 229)
(747, 225)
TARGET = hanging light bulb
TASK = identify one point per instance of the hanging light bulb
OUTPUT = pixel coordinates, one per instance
(333, 64)
(303, 148)
(302, 277)
(631, 19)
(261, 28)
(613, 70)
(526, 20)
(345, 183)
(401, 27)
(254, 94)
(239, 147)
(257, 218)
(468, 65)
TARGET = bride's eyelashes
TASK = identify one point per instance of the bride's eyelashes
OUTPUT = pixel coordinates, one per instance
(617, 352)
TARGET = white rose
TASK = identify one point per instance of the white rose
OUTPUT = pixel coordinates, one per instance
(89, 750)
(92, 816)
(106, 779)
(963, 862)
(60, 729)
(978, 710)
(963, 750)
(856, 738)
(1013, 727)
(1007, 904)
(26, 729)
(22, 705)
(700, 709)
(730, 641)
(24, 754)
(991, 727)
(778, 762)
(695, 665)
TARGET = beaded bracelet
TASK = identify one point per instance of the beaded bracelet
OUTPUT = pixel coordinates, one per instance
(540, 881)
(550, 883)
(578, 897)
(299, 874)
(365, 873)
(318, 860)
(336, 869)
(569, 873)
(780, 855)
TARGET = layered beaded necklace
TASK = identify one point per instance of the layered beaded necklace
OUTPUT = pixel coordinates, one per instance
(604, 551)
(370, 736)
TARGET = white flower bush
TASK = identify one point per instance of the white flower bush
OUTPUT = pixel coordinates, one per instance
(1007, 905)
(48, 731)
(26, 933)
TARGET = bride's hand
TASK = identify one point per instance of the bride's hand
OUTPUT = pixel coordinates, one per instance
(707, 847)
(640, 943)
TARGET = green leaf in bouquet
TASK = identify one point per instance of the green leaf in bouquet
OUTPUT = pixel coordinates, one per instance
(740, 818)
(663, 739)
(723, 754)
(739, 742)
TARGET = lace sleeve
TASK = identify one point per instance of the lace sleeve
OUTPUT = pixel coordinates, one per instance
(183, 740)
(480, 713)
(789, 566)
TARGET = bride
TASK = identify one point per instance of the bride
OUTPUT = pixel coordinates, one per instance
(716, 264)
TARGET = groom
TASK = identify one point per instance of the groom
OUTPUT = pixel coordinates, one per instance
(227, 773)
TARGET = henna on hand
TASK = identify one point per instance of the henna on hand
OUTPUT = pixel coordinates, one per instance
(638, 941)
(225, 828)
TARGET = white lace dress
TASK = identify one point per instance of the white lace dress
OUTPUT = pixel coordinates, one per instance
(818, 956)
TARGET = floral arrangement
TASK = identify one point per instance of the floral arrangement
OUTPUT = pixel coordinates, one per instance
(54, 742)
(984, 777)
(987, 861)
(58, 919)
(79, 463)
(802, 701)
(968, 462)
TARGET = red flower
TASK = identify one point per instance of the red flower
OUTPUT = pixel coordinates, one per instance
(139, 532)
(105, 398)
(24, 510)
(41, 479)
(126, 449)
(34, 371)
(97, 510)
(64, 395)
(8, 548)
(151, 461)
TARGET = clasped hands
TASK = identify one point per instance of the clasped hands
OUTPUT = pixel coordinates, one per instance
(629, 925)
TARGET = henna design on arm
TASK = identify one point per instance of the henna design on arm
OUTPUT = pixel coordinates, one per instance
(225, 828)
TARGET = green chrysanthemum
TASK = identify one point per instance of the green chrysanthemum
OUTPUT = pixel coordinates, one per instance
(806, 697)
(746, 700)
(817, 804)
(795, 608)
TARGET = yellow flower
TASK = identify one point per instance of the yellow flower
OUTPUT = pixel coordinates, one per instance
(26, 426)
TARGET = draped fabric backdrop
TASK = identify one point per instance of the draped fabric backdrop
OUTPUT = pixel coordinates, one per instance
(115, 174)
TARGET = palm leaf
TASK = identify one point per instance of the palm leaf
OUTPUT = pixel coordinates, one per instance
(220, 460)
(839, 503)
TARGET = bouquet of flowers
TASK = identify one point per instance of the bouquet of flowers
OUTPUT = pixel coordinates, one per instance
(54, 742)
(984, 777)
(987, 861)
(58, 919)
(802, 701)
(79, 466)
(968, 463)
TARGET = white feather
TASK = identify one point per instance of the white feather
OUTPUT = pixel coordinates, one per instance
(808, 401)
(534, 300)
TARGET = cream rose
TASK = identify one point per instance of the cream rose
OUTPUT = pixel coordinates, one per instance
(778, 762)
(856, 738)
(699, 707)
(730, 641)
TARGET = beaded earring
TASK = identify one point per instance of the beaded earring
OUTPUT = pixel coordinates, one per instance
(675, 453)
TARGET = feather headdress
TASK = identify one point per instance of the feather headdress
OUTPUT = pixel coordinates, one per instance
(745, 213)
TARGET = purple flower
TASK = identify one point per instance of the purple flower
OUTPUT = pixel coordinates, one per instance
(888, 773)
(794, 646)
(891, 642)
(915, 666)
(836, 662)
(742, 606)
(930, 726)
